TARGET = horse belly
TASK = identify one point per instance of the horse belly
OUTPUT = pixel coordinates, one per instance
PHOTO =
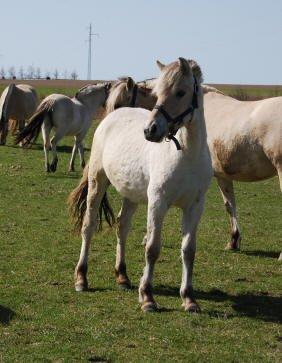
(128, 180)
(242, 162)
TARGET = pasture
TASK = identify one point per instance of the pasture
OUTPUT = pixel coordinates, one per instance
(44, 319)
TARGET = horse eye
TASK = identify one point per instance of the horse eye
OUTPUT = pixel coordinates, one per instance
(180, 93)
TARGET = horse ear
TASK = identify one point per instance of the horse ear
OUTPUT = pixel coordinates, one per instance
(184, 65)
(129, 83)
(160, 65)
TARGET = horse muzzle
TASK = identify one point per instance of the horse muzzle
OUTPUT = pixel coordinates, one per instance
(152, 133)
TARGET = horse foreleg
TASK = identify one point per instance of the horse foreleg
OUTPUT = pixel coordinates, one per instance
(123, 226)
(96, 191)
(156, 212)
(190, 220)
(227, 191)
(4, 133)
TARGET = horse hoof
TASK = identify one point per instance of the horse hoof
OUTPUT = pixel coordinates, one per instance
(80, 287)
(125, 286)
(232, 247)
(149, 307)
(192, 307)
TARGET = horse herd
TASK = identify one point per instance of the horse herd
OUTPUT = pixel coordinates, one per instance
(210, 134)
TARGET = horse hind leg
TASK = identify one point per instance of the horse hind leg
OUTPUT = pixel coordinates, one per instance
(46, 129)
(227, 191)
(123, 226)
(54, 141)
(73, 155)
(96, 190)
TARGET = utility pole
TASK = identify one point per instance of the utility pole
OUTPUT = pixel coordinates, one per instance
(90, 35)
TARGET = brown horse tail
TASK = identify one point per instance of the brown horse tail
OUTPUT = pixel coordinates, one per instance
(77, 202)
(30, 133)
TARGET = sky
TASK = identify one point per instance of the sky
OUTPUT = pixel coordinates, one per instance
(236, 42)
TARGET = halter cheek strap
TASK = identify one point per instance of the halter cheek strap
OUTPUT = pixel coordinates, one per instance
(179, 119)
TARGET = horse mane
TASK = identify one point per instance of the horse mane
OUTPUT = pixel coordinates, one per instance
(117, 94)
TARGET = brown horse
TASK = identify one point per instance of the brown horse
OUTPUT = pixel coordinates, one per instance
(17, 104)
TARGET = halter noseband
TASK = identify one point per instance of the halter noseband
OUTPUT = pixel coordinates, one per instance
(179, 119)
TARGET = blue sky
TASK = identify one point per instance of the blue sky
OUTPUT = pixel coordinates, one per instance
(233, 41)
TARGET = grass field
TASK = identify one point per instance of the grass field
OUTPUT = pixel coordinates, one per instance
(44, 320)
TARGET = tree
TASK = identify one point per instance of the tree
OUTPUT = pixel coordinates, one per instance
(12, 72)
(38, 73)
(30, 72)
(21, 73)
(65, 74)
(2, 73)
(56, 74)
(74, 75)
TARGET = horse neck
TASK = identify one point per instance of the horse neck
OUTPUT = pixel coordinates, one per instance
(147, 100)
(94, 100)
(193, 137)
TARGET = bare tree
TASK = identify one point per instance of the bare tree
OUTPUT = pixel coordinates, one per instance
(74, 75)
(38, 73)
(56, 74)
(21, 73)
(65, 74)
(47, 75)
(12, 72)
(30, 72)
(2, 73)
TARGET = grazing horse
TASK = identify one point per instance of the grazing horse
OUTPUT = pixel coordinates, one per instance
(152, 171)
(17, 104)
(244, 138)
(68, 116)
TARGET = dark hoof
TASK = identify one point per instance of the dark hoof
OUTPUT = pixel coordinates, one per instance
(53, 167)
(232, 247)
(149, 307)
(81, 287)
(192, 307)
(125, 286)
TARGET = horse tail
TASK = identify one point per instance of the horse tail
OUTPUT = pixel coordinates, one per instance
(30, 133)
(77, 202)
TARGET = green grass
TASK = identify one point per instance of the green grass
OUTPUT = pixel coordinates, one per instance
(44, 320)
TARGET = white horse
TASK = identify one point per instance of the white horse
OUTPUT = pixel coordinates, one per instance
(244, 138)
(68, 116)
(17, 104)
(149, 172)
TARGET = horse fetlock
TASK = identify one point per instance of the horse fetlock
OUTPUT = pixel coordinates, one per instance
(121, 277)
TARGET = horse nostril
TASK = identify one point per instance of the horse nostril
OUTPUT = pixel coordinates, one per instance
(153, 129)
(146, 132)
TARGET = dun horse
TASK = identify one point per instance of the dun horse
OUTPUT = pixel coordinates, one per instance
(68, 116)
(153, 172)
(244, 138)
(17, 104)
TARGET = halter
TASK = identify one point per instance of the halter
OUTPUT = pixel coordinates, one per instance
(134, 95)
(179, 119)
